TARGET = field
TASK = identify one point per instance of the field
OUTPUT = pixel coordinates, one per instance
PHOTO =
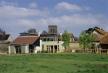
(54, 63)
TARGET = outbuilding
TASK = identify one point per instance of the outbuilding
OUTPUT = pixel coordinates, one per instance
(24, 44)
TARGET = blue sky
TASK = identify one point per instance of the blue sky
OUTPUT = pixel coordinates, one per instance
(72, 15)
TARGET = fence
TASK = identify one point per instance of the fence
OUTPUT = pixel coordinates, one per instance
(96, 51)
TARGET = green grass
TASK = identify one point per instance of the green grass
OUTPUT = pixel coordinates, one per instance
(54, 63)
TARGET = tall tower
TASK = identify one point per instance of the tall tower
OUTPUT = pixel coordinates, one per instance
(52, 29)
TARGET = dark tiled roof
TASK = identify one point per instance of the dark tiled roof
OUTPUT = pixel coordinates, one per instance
(4, 37)
(49, 35)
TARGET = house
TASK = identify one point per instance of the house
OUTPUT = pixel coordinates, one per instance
(101, 41)
(74, 44)
(51, 44)
(104, 41)
(50, 40)
(5, 40)
(30, 42)
(25, 44)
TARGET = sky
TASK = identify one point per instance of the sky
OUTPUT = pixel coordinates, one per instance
(17, 16)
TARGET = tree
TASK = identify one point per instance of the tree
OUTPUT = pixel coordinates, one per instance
(86, 40)
(66, 39)
(32, 31)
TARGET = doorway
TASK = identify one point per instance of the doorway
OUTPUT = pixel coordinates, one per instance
(18, 49)
(31, 49)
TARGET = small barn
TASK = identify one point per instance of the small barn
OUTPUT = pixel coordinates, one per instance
(24, 44)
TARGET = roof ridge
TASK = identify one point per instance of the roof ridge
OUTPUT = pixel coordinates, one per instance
(28, 36)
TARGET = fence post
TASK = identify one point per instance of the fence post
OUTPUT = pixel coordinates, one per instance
(107, 51)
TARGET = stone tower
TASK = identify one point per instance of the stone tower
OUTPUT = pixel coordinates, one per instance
(52, 29)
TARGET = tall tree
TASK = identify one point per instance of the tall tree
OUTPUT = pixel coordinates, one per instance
(66, 39)
(86, 40)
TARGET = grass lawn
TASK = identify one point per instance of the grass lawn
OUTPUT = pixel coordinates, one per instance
(54, 63)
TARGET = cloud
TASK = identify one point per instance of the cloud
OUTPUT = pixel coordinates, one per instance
(66, 22)
(7, 3)
(64, 6)
(18, 19)
(15, 11)
(75, 20)
(33, 5)
(74, 23)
